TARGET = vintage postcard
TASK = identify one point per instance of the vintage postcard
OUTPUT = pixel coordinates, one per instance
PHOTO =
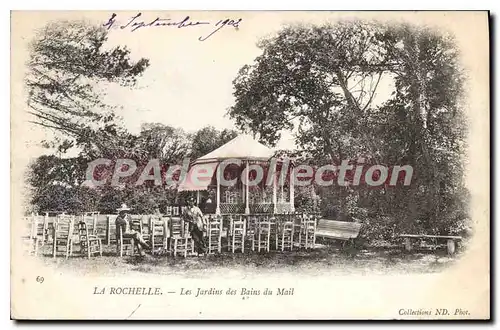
(250, 165)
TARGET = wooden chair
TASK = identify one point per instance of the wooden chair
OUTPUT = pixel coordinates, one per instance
(175, 211)
(101, 228)
(158, 234)
(137, 224)
(146, 228)
(264, 235)
(237, 235)
(180, 242)
(90, 244)
(91, 223)
(306, 236)
(275, 221)
(214, 233)
(124, 244)
(252, 230)
(284, 240)
(63, 235)
(31, 242)
(40, 228)
(168, 210)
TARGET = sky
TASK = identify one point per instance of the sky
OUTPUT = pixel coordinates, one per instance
(189, 82)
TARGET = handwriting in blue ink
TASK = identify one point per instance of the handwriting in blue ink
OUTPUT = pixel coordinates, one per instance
(135, 23)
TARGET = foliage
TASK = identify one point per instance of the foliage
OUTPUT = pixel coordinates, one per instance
(208, 139)
(68, 62)
(69, 199)
(166, 143)
(321, 82)
(56, 183)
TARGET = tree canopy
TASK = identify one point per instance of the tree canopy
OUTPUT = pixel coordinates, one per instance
(208, 139)
(388, 93)
(68, 64)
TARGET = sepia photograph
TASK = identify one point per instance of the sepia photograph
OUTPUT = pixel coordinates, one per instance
(173, 165)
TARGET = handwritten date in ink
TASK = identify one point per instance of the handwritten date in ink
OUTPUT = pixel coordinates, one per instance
(135, 22)
(222, 23)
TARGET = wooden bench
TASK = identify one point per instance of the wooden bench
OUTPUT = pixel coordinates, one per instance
(450, 241)
(340, 230)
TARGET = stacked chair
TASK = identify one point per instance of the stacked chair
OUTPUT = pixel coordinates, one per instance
(91, 223)
(305, 238)
(90, 244)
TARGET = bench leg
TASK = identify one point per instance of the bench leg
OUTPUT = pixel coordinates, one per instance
(451, 246)
(408, 244)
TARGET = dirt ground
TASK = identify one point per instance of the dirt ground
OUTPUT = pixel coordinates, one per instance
(330, 259)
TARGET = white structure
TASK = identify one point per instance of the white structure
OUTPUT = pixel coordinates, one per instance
(241, 156)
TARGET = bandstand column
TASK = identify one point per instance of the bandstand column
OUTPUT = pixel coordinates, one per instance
(217, 208)
(292, 192)
(282, 195)
(275, 206)
(247, 207)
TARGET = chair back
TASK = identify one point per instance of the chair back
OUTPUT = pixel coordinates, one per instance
(214, 223)
(119, 235)
(29, 227)
(177, 227)
(90, 222)
(83, 230)
(39, 225)
(157, 226)
(136, 223)
(287, 227)
(169, 210)
(264, 226)
(238, 226)
(175, 211)
(64, 226)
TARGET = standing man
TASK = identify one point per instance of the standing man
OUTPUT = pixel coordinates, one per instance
(196, 220)
(122, 223)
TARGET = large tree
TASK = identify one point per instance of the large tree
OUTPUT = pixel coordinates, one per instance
(323, 82)
(423, 125)
(314, 79)
(68, 65)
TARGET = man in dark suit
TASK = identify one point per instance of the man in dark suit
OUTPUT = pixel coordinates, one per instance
(122, 223)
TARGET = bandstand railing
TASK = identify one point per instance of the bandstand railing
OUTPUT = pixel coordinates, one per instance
(255, 208)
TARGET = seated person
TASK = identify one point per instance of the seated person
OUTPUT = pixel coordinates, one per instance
(123, 222)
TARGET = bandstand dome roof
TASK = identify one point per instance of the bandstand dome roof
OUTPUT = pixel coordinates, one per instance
(241, 147)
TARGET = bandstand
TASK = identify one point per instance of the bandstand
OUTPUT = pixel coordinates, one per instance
(241, 177)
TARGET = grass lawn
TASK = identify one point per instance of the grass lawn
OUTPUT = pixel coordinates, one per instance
(324, 259)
